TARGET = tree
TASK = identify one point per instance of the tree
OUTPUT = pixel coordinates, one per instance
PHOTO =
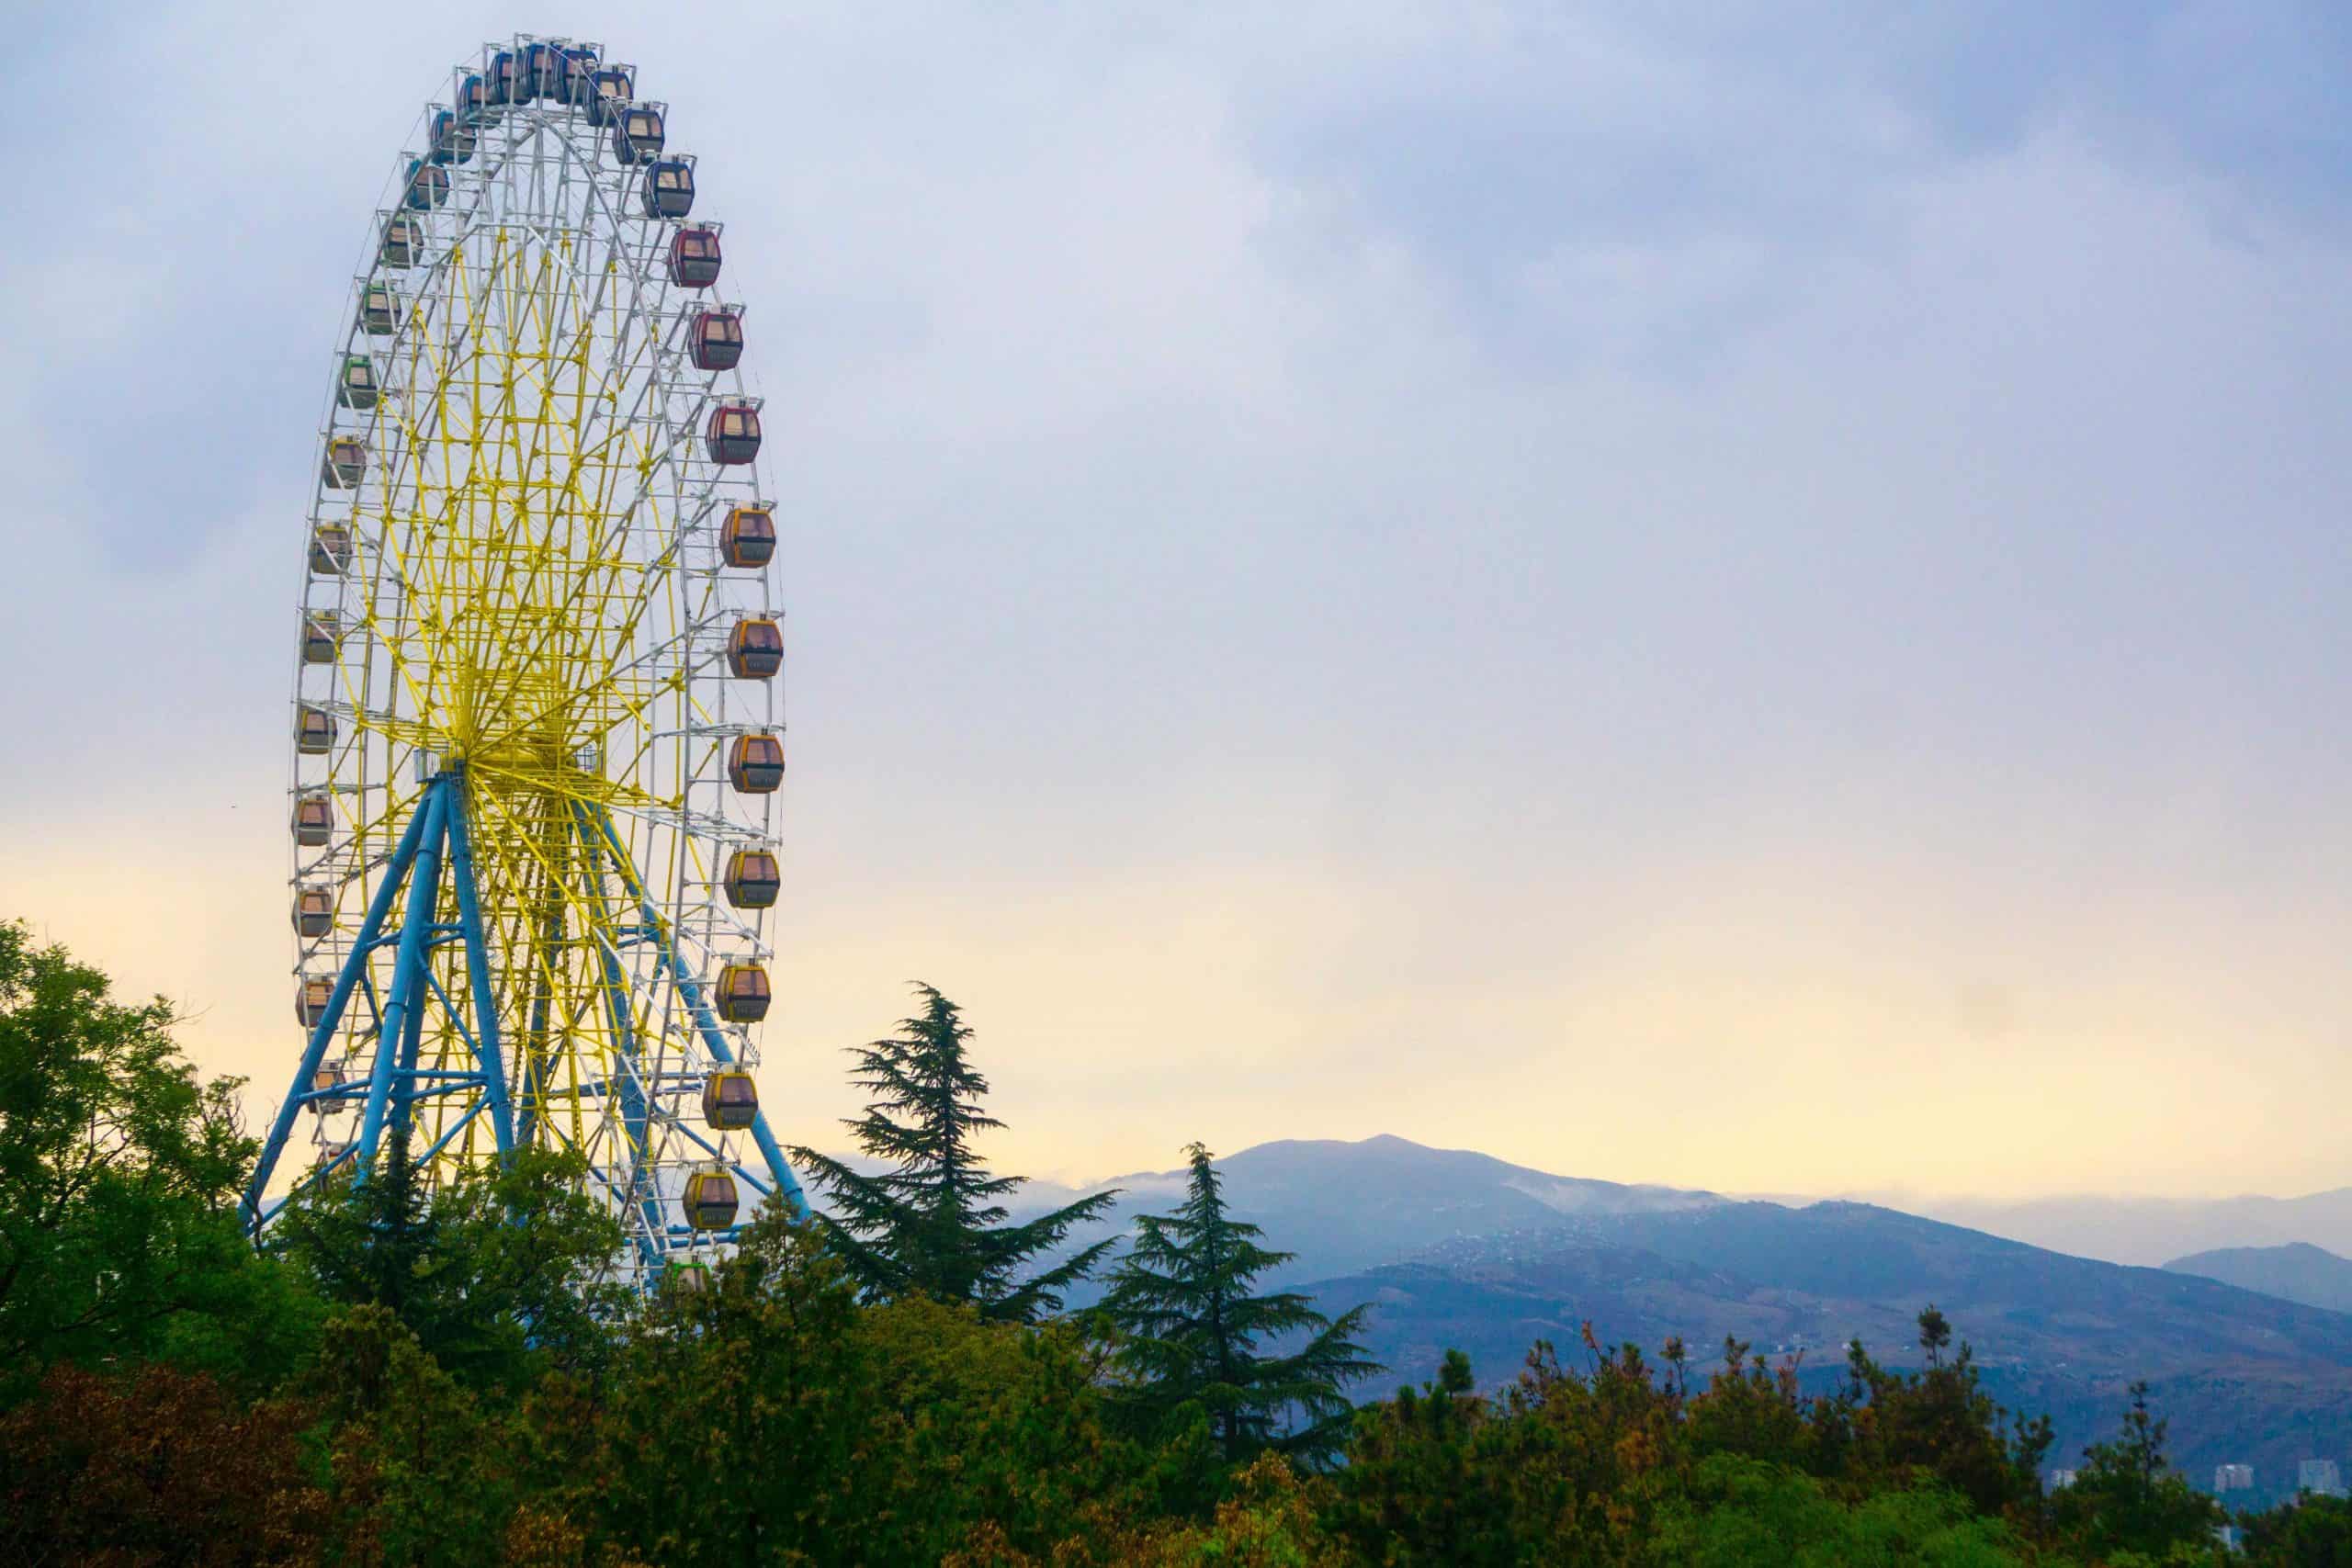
(1194, 1332)
(494, 1272)
(2127, 1497)
(932, 1223)
(118, 1171)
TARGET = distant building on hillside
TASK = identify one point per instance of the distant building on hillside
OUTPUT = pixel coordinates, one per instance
(2060, 1478)
(2228, 1478)
(2319, 1475)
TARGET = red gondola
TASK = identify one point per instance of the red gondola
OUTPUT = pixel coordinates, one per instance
(733, 434)
(694, 258)
(717, 340)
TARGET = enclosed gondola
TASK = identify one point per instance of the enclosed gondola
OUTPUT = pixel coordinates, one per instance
(716, 339)
(313, 820)
(733, 434)
(330, 550)
(313, 730)
(345, 464)
(637, 133)
(743, 993)
(755, 763)
(311, 996)
(326, 1085)
(755, 648)
(355, 388)
(313, 912)
(731, 1100)
(452, 139)
(404, 242)
(747, 539)
(379, 310)
(669, 188)
(615, 85)
(695, 257)
(321, 636)
(428, 186)
(754, 879)
(710, 1200)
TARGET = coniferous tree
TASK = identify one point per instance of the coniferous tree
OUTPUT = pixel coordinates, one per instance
(932, 1223)
(1194, 1333)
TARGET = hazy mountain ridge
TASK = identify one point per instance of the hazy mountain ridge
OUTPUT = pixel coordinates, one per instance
(2296, 1272)
(2242, 1377)
(1458, 1249)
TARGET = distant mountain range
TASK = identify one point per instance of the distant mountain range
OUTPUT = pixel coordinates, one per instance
(2151, 1230)
(2296, 1272)
(1458, 1249)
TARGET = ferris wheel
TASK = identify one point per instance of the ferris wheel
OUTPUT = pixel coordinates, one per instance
(536, 734)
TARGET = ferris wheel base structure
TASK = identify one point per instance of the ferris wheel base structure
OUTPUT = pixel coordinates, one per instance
(437, 844)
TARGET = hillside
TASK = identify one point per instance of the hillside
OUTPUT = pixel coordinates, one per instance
(2296, 1272)
(2242, 1377)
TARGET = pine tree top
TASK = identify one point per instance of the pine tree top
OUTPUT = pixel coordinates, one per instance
(931, 1223)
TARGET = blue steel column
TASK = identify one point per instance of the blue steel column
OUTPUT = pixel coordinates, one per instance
(408, 973)
(633, 1114)
(355, 964)
(714, 1038)
(487, 1050)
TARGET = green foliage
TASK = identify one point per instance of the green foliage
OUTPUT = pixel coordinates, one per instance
(1192, 1332)
(1736, 1512)
(2315, 1533)
(118, 1171)
(931, 1225)
(2127, 1498)
(493, 1274)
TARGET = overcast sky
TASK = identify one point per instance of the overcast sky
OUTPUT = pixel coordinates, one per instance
(1750, 600)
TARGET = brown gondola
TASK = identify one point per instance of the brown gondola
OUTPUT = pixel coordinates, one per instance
(731, 1100)
(743, 993)
(310, 1000)
(314, 911)
(710, 1200)
(755, 763)
(330, 550)
(321, 636)
(344, 463)
(314, 731)
(755, 648)
(752, 879)
(747, 539)
(313, 820)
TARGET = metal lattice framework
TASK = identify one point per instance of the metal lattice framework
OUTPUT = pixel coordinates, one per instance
(530, 720)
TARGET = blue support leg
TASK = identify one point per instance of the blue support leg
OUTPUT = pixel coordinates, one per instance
(487, 1052)
(408, 967)
(354, 969)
